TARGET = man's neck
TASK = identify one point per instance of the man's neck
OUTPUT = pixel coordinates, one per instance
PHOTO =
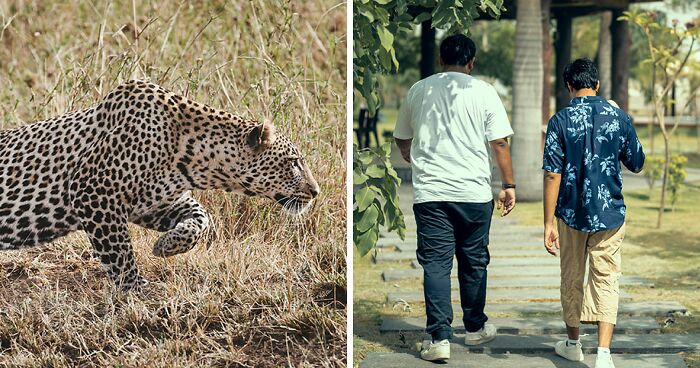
(458, 69)
(583, 92)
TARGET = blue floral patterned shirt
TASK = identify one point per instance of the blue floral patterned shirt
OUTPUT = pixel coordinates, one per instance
(585, 143)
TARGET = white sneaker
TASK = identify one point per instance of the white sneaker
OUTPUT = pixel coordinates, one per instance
(604, 361)
(433, 351)
(570, 352)
(486, 334)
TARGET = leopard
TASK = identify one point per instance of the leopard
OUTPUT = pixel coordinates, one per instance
(135, 157)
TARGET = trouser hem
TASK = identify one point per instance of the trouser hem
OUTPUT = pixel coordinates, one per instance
(598, 318)
(441, 335)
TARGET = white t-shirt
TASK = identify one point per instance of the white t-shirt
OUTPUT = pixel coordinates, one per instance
(451, 117)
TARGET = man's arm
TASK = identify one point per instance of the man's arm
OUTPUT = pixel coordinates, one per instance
(506, 198)
(632, 153)
(551, 192)
(405, 148)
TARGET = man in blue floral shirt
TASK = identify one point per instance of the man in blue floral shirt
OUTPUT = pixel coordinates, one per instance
(585, 143)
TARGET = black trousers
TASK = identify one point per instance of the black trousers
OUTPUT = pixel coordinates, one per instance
(446, 229)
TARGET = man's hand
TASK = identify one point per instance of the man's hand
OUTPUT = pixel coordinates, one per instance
(506, 198)
(551, 191)
(551, 239)
(506, 201)
(405, 148)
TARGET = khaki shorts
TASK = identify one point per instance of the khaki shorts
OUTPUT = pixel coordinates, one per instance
(599, 300)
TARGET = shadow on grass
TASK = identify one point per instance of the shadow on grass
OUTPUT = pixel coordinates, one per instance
(638, 195)
(674, 280)
(669, 245)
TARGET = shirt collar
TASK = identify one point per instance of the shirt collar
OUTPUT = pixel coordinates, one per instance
(586, 99)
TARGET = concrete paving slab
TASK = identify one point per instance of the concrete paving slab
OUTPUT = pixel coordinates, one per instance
(513, 262)
(622, 344)
(660, 308)
(522, 281)
(494, 272)
(394, 241)
(516, 255)
(545, 360)
(494, 250)
(513, 244)
(492, 295)
(528, 326)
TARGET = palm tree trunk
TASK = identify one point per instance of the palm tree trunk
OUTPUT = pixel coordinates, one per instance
(605, 54)
(546, 60)
(527, 101)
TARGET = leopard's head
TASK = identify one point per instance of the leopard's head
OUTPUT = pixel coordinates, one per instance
(269, 164)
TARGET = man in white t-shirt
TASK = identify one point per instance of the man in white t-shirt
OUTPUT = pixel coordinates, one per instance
(444, 129)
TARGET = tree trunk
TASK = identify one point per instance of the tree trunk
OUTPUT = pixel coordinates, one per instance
(620, 60)
(546, 61)
(664, 180)
(653, 116)
(527, 101)
(605, 55)
(562, 48)
(427, 49)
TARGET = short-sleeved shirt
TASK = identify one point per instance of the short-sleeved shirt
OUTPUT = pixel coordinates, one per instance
(451, 117)
(585, 143)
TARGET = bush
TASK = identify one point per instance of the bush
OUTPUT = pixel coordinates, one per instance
(653, 168)
(676, 176)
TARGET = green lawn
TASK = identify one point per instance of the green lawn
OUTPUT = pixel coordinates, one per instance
(669, 257)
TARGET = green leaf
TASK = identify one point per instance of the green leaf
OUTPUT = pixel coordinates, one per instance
(358, 177)
(386, 37)
(385, 148)
(422, 17)
(365, 157)
(367, 14)
(369, 219)
(363, 198)
(381, 219)
(376, 171)
(392, 174)
(394, 60)
(366, 241)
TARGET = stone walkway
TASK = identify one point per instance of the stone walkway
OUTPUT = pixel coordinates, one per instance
(523, 281)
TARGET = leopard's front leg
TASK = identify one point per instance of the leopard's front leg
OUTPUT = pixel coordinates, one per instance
(184, 221)
(108, 232)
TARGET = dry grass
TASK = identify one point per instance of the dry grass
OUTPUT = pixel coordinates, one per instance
(267, 289)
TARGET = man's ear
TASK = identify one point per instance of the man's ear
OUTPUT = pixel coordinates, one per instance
(471, 63)
(261, 137)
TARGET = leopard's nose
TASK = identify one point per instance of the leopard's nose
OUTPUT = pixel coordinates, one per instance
(314, 190)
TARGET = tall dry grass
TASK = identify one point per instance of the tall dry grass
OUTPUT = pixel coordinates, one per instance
(264, 289)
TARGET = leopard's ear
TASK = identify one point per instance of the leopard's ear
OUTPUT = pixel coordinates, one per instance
(261, 137)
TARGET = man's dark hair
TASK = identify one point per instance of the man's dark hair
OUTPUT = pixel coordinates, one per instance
(457, 49)
(581, 73)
